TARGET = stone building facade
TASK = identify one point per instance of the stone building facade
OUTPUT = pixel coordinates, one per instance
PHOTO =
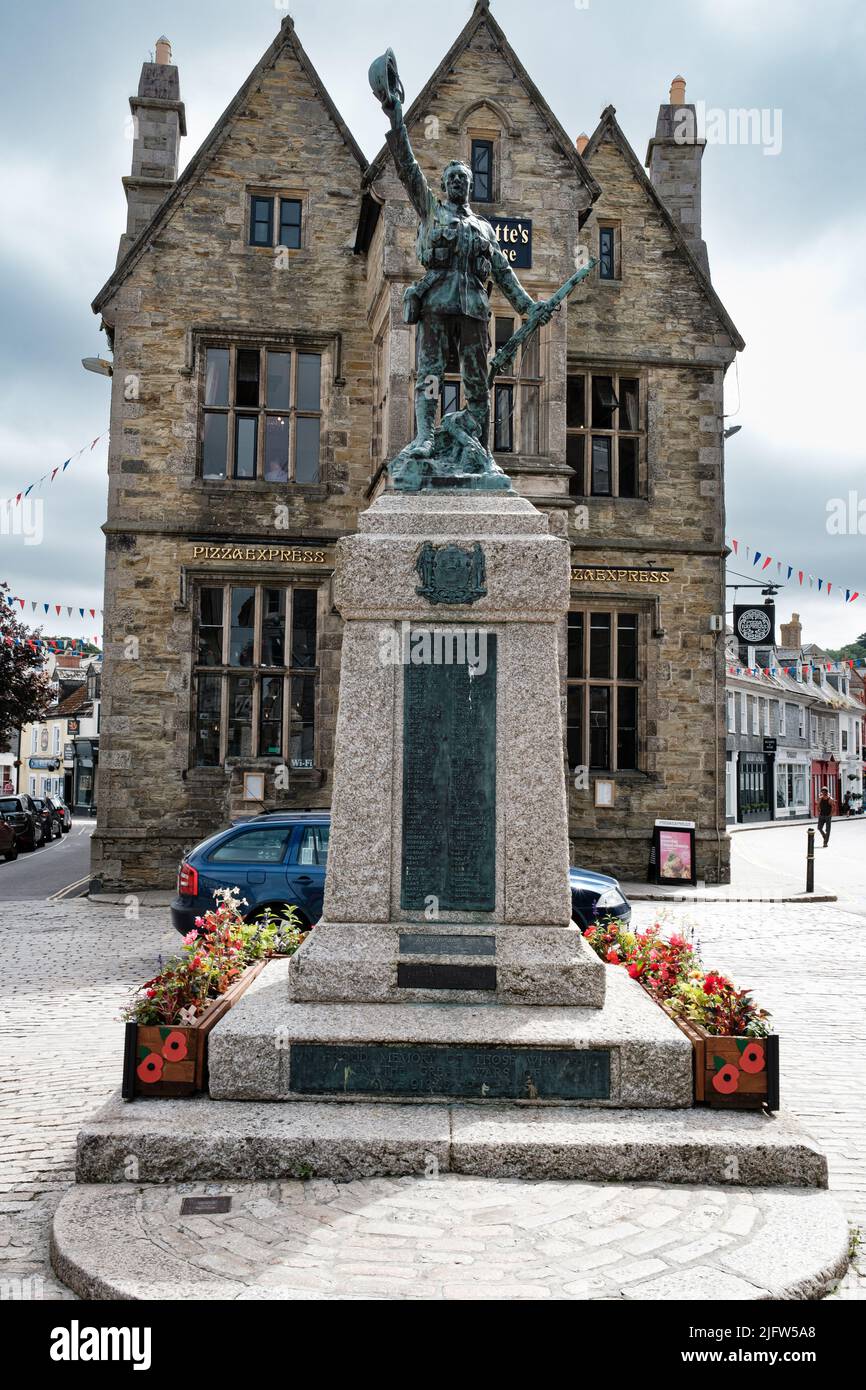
(263, 376)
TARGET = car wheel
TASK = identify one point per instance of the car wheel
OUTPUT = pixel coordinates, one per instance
(30, 844)
(10, 855)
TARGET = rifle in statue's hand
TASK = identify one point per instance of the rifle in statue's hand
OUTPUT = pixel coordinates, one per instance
(504, 358)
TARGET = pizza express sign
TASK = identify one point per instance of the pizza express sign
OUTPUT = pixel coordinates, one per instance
(755, 626)
(514, 235)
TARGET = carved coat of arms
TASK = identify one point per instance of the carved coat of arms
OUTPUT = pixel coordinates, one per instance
(450, 574)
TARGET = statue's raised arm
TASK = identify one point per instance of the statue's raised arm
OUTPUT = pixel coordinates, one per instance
(450, 306)
(388, 89)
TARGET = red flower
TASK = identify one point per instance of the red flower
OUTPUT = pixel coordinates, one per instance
(612, 956)
(174, 1048)
(635, 970)
(752, 1058)
(727, 1079)
(714, 984)
(149, 1068)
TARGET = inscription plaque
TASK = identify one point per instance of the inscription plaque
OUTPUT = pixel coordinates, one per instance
(440, 944)
(505, 1073)
(205, 1206)
(426, 975)
(449, 786)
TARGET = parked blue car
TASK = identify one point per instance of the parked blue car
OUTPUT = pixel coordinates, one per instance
(274, 860)
(279, 859)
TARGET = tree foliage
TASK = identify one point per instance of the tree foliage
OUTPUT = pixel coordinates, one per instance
(25, 694)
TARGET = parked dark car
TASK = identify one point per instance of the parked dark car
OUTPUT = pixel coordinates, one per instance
(595, 897)
(279, 859)
(275, 860)
(62, 812)
(22, 815)
(52, 825)
(8, 840)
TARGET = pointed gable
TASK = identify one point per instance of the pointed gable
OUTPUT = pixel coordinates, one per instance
(286, 47)
(626, 187)
(483, 47)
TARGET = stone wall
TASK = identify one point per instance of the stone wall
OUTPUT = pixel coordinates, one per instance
(199, 278)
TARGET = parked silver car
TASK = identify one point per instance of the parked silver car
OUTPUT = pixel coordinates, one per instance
(63, 812)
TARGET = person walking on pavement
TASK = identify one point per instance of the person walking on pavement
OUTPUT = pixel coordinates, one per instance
(825, 814)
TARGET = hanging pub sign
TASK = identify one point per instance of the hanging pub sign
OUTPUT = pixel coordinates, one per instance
(73, 726)
(514, 235)
(755, 625)
(674, 851)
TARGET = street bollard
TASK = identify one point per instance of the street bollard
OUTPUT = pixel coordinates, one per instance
(810, 861)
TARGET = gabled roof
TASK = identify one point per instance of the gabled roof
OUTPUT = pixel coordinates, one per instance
(71, 704)
(286, 39)
(608, 126)
(481, 17)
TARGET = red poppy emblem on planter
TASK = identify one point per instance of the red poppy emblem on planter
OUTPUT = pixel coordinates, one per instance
(174, 1048)
(150, 1067)
(727, 1078)
(752, 1057)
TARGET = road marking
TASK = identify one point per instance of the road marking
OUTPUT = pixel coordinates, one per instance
(68, 891)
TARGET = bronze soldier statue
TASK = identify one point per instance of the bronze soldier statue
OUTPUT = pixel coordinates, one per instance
(450, 304)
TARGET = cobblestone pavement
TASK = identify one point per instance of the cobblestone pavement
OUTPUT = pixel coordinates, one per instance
(69, 966)
(807, 965)
(453, 1237)
(67, 969)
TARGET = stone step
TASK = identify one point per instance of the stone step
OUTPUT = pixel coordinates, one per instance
(205, 1140)
(626, 1053)
(452, 963)
(449, 1237)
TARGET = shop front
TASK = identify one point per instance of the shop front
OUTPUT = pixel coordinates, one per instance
(754, 787)
(85, 762)
(825, 773)
(792, 787)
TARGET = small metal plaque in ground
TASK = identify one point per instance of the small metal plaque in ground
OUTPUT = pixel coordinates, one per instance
(480, 1073)
(441, 944)
(427, 975)
(205, 1206)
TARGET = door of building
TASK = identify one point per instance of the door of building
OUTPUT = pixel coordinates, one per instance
(754, 788)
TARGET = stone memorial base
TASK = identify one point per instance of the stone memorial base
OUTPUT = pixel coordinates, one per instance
(627, 1053)
(343, 963)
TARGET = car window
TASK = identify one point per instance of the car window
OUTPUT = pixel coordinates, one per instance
(314, 845)
(9, 803)
(267, 845)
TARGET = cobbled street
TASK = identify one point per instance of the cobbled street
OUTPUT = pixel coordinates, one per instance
(69, 967)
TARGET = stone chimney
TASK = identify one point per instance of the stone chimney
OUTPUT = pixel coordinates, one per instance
(158, 122)
(581, 142)
(792, 633)
(673, 158)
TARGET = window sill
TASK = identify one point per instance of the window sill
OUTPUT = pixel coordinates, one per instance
(262, 487)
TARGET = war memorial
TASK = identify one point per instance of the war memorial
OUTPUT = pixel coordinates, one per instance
(445, 1023)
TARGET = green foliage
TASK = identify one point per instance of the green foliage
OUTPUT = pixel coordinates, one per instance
(851, 652)
(670, 968)
(25, 695)
(214, 954)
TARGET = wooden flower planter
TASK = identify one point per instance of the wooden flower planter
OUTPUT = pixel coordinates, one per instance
(731, 1073)
(160, 1060)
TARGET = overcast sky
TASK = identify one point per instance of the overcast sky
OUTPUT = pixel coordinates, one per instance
(786, 232)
